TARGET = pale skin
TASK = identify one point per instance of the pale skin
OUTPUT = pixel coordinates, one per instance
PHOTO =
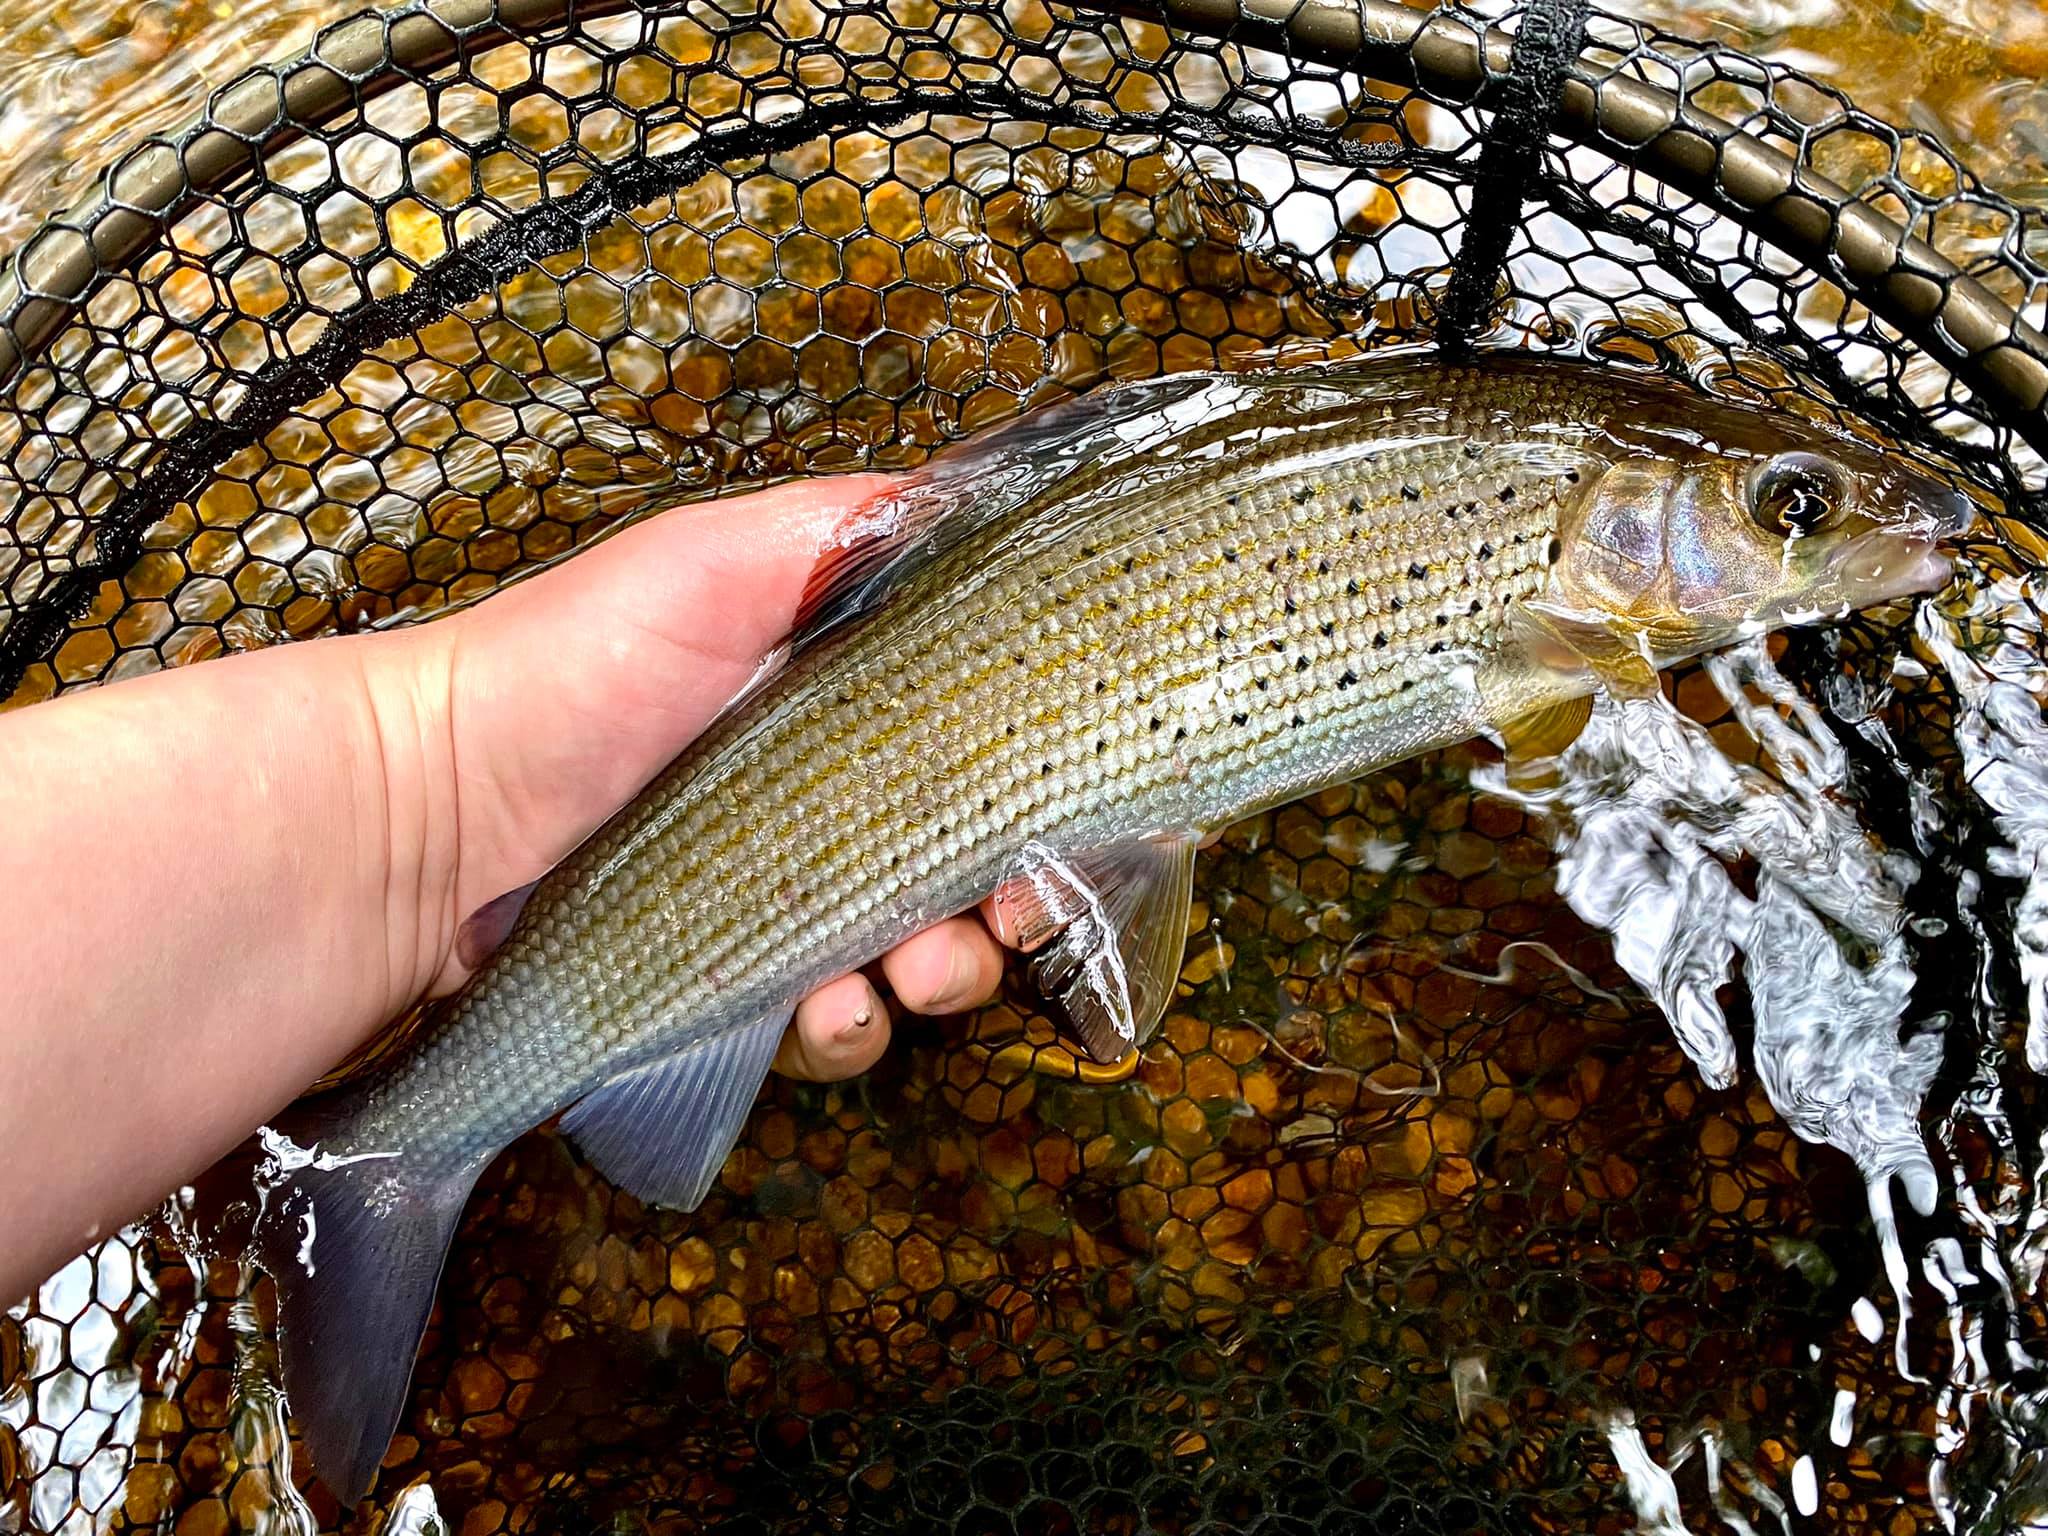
(217, 882)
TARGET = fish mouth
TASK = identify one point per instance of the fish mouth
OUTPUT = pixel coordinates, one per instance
(1889, 563)
(1903, 559)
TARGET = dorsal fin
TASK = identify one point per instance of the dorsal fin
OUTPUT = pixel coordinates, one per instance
(969, 486)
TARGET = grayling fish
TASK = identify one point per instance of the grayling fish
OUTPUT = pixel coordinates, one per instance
(1047, 664)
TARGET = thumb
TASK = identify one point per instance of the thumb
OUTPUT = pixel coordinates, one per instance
(568, 692)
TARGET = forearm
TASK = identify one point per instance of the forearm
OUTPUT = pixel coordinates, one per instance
(215, 883)
(171, 981)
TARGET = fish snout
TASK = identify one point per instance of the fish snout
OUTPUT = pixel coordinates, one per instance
(1904, 555)
(1888, 564)
(1946, 511)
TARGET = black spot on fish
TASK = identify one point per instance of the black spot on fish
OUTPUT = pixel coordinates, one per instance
(1396, 605)
(1486, 550)
(1571, 477)
(1329, 628)
(1507, 493)
(1407, 683)
(1180, 733)
(1322, 567)
(1417, 571)
(1442, 619)
(1351, 587)
(1230, 557)
(1101, 685)
(1111, 604)
(1222, 633)
(1098, 746)
(1354, 506)
(1411, 493)
(1474, 450)
(1130, 564)
(1475, 606)
(1295, 723)
(1156, 723)
(1301, 663)
(1347, 679)
(1556, 548)
(1437, 649)
(1379, 641)
(1231, 500)
(1260, 684)
(1278, 645)
(1288, 607)
(1303, 495)
(1239, 718)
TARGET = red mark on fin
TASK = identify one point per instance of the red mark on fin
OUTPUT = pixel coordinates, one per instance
(855, 567)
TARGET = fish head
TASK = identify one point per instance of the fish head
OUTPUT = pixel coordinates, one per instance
(1739, 520)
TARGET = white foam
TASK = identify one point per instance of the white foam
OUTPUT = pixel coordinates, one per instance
(1646, 813)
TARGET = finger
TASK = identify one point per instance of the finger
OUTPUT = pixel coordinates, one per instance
(839, 1031)
(1017, 917)
(945, 969)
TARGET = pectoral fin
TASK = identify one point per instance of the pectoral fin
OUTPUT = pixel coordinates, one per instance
(1121, 915)
(661, 1132)
(1618, 657)
(1547, 731)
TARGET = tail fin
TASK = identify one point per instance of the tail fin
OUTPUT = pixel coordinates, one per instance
(355, 1246)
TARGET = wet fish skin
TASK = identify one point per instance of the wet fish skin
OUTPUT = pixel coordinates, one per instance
(1117, 626)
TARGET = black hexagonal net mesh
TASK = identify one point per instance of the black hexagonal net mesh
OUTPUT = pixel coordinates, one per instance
(1414, 1217)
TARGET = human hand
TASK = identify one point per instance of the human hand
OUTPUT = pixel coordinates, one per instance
(217, 882)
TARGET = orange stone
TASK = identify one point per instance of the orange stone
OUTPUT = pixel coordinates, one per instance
(1210, 1077)
(692, 1266)
(1232, 1236)
(1251, 1191)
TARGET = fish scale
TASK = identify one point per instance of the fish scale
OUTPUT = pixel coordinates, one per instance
(1042, 666)
(1225, 741)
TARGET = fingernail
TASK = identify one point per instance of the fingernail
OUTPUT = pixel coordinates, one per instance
(855, 1027)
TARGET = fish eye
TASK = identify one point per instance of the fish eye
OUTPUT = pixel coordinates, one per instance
(1796, 494)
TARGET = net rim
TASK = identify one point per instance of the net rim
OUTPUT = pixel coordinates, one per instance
(1933, 303)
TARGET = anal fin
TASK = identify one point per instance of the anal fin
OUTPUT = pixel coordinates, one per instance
(1119, 920)
(490, 925)
(661, 1132)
